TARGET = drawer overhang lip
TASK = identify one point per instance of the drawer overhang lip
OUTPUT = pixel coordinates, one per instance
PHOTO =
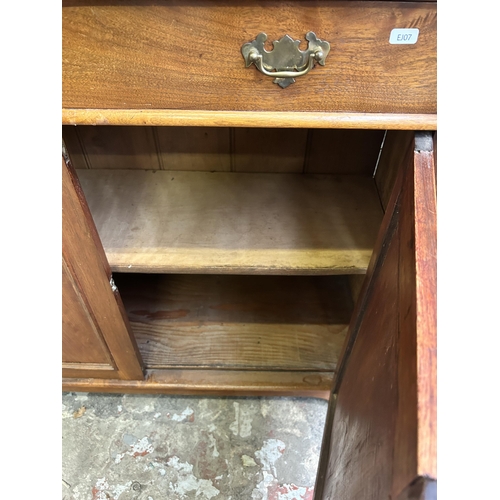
(287, 119)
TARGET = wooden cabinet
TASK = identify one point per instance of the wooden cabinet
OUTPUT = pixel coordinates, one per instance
(225, 236)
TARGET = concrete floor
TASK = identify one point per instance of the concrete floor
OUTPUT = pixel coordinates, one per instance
(167, 447)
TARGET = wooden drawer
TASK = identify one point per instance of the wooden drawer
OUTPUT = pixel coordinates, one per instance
(121, 57)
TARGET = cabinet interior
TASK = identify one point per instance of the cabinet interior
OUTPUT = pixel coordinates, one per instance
(237, 322)
(237, 248)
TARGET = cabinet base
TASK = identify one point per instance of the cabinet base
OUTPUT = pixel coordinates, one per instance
(213, 383)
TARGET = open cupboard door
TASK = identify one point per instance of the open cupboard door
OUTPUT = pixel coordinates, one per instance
(380, 434)
(96, 336)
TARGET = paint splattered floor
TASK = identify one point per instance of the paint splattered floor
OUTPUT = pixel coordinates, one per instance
(180, 448)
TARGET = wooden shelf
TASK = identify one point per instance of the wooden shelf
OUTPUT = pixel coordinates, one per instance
(237, 322)
(233, 223)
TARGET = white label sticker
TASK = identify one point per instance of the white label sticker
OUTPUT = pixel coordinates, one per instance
(403, 36)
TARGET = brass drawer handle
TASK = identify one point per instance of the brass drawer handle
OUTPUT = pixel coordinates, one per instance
(286, 61)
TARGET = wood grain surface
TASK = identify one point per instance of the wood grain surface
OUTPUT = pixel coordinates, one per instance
(416, 437)
(119, 147)
(194, 148)
(343, 151)
(166, 55)
(383, 431)
(213, 383)
(238, 322)
(285, 119)
(86, 264)
(81, 339)
(269, 150)
(397, 143)
(224, 149)
(200, 222)
(73, 144)
(363, 428)
(425, 209)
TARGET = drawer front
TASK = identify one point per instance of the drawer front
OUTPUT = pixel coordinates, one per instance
(187, 56)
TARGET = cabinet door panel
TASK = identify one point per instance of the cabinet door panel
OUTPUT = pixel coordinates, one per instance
(97, 340)
(82, 342)
(380, 438)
